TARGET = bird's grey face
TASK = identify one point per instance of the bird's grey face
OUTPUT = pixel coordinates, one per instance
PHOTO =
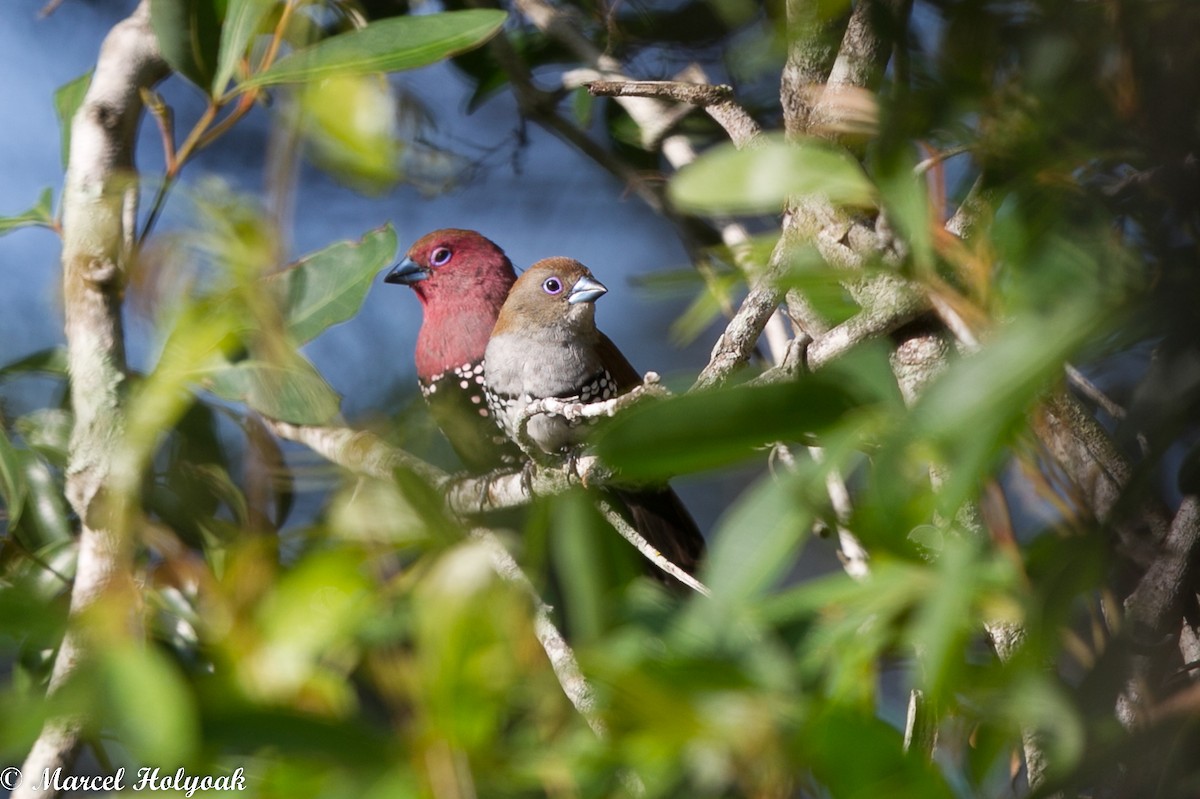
(571, 293)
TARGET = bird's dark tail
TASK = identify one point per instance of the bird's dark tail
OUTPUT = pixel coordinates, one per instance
(661, 518)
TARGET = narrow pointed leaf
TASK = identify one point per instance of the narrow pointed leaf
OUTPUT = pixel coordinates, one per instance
(708, 429)
(757, 542)
(388, 45)
(52, 361)
(42, 213)
(67, 99)
(330, 285)
(242, 20)
(131, 680)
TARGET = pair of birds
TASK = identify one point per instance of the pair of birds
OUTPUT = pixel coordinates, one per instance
(490, 342)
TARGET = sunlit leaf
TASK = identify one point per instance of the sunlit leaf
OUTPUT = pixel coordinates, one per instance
(291, 392)
(726, 180)
(659, 439)
(189, 35)
(242, 21)
(945, 618)
(1037, 702)
(314, 609)
(387, 45)
(67, 99)
(48, 431)
(45, 509)
(905, 196)
(349, 122)
(976, 406)
(329, 286)
(42, 213)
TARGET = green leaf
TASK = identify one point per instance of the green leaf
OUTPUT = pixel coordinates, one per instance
(290, 392)
(388, 45)
(67, 99)
(299, 736)
(45, 512)
(329, 286)
(660, 439)
(189, 34)
(42, 213)
(878, 767)
(975, 408)
(145, 700)
(756, 180)
(12, 479)
(242, 21)
(48, 432)
(757, 541)
(349, 125)
(52, 361)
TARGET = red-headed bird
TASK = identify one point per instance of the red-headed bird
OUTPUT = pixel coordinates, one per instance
(462, 280)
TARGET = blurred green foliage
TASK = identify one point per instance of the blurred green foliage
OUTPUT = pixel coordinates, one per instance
(372, 649)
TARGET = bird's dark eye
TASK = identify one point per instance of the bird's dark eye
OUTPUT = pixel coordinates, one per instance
(441, 256)
(552, 285)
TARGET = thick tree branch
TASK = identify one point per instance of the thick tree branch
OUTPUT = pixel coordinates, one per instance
(99, 201)
(809, 56)
(846, 104)
(366, 453)
(1156, 603)
(734, 346)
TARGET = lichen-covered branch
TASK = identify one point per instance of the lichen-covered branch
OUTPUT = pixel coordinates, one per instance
(98, 232)
(357, 450)
(845, 104)
(366, 453)
(717, 101)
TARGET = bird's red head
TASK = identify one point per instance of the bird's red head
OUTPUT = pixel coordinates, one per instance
(462, 280)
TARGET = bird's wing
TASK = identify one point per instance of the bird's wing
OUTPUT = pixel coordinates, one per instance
(617, 365)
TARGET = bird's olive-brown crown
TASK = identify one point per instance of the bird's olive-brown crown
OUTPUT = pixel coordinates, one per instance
(554, 292)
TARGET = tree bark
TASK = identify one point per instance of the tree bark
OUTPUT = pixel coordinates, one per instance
(99, 228)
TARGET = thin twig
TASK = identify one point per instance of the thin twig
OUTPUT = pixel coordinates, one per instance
(630, 534)
(558, 651)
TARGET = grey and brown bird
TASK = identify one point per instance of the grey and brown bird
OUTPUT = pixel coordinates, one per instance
(546, 344)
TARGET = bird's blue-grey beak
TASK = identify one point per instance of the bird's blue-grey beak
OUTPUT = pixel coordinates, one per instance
(586, 289)
(406, 272)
